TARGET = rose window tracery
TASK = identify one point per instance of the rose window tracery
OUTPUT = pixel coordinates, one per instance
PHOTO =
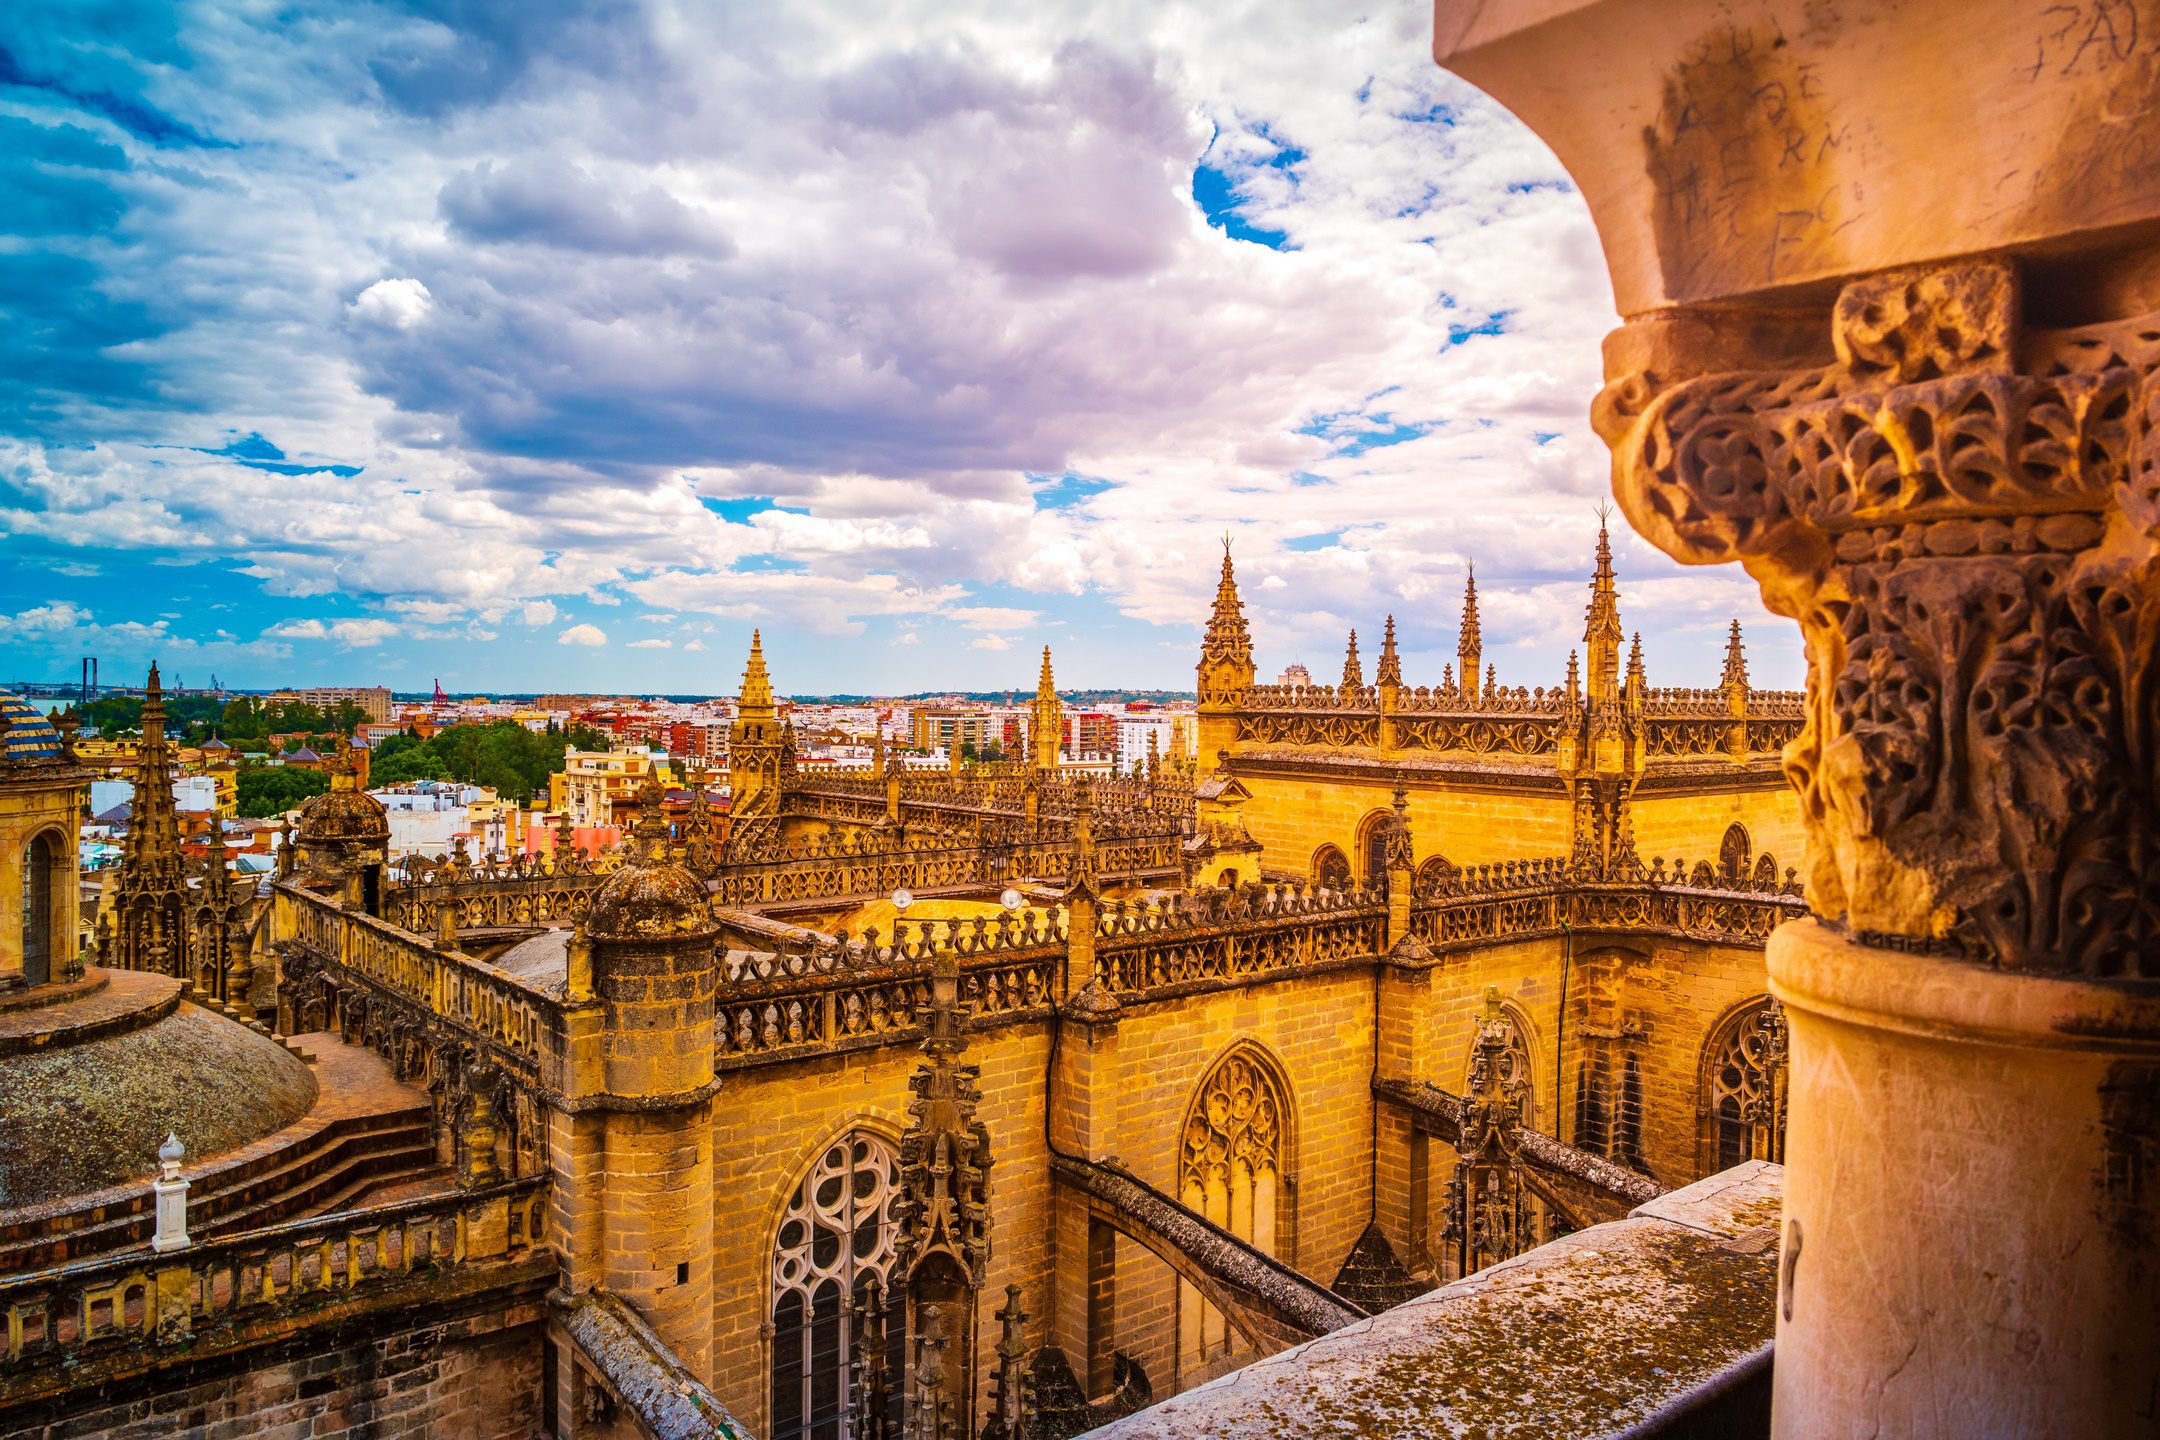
(1746, 1079)
(834, 1249)
(1230, 1170)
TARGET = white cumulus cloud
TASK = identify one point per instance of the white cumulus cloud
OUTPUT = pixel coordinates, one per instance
(400, 304)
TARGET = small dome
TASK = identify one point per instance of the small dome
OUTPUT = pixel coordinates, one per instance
(84, 1114)
(649, 902)
(29, 735)
(215, 746)
(344, 815)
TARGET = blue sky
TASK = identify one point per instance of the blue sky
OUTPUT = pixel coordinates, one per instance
(555, 345)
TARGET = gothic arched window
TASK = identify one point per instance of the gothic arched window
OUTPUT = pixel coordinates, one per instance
(1372, 847)
(834, 1251)
(39, 944)
(1733, 854)
(1744, 1088)
(1230, 1170)
(1331, 868)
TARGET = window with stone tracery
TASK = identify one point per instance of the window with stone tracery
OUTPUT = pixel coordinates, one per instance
(40, 859)
(835, 1248)
(1744, 1089)
(1733, 854)
(1331, 868)
(1372, 847)
(1230, 1171)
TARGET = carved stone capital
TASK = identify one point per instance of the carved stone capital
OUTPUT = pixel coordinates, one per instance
(1962, 515)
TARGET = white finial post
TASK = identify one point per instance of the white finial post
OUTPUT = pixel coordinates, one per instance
(171, 1192)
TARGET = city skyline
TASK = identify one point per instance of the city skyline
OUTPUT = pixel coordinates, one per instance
(531, 351)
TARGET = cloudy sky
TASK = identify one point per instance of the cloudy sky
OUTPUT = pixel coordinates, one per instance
(555, 343)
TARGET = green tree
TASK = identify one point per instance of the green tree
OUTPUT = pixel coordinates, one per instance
(505, 756)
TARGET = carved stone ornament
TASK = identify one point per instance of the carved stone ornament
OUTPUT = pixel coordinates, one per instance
(1962, 516)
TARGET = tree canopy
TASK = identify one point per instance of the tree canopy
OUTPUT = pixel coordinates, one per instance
(503, 755)
(266, 790)
(245, 722)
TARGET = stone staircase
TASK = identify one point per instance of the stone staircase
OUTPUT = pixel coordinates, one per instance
(336, 1167)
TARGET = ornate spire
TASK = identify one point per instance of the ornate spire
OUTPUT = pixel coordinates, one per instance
(1635, 679)
(1227, 638)
(1009, 1391)
(1046, 728)
(1469, 650)
(153, 838)
(756, 687)
(650, 829)
(942, 1213)
(1735, 659)
(1389, 671)
(1353, 673)
(701, 849)
(1602, 632)
(1080, 874)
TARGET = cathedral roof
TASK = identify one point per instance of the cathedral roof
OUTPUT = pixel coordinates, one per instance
(29, 735)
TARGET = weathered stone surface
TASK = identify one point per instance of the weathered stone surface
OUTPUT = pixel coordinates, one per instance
(85, 1115)
(1582, 1337)
(670, 1403)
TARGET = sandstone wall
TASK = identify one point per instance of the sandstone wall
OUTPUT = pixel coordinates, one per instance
(475, 1375)
(771, 1123)
(1292, 816)
(1693, 826)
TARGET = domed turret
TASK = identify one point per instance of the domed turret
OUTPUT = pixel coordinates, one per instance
(27, 735)
(344, 835)
(651, 897)
(344, 813)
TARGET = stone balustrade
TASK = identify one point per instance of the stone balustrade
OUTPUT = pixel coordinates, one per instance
(845, 990)
(68, 1315)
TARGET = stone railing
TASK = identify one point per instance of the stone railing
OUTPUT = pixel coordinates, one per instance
(846, 990)
(856, 990)
(488, 895)
(410, 988)
(1502, 721)
(1003, 786)
(491, 893)
(65, 1316)
(1243, 937)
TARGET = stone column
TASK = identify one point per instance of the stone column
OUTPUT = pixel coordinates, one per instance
(1892, 285)
(1959, 508)
(654, 973)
